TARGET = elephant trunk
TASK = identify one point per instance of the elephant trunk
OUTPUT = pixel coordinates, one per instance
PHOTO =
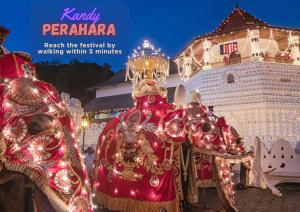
(225, 200)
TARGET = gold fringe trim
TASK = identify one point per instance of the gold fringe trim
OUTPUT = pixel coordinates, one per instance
(132, 205)
(206, 183)
(40, 182)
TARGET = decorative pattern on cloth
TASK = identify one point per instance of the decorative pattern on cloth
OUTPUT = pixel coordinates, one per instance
(211, 136)
(15, 65)
(135, 159)
(38, 139)
(204, 168)
(138, 159)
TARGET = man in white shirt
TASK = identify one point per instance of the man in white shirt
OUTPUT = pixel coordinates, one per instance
(89, 159)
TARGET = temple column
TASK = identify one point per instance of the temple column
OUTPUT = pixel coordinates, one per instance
(206, 56)
(294, 46)
(254, 39)
(187, 67)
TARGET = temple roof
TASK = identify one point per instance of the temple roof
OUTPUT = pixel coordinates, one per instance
(237, 20)
(119, 102)
(119, 77)
(110, 103)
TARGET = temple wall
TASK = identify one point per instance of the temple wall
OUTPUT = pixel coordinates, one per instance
(92, 135)
(263, 101)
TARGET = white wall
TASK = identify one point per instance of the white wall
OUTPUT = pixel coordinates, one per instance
(258, 103)
(92, 135)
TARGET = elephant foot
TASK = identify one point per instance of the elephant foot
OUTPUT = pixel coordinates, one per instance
(240, 186)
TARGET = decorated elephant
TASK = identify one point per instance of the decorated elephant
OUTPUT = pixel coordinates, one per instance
(140, 160)
(41, 167)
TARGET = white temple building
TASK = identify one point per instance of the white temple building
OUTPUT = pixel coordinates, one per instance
(247, 69)
(258, 98)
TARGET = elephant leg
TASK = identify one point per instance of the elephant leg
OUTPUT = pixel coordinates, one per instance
(12, 192)
(41, 201)
(224, 183)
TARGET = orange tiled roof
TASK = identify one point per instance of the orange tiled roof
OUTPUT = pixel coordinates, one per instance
(237, 20)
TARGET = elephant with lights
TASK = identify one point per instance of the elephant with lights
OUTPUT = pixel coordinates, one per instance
(140, 164)
(41, 167)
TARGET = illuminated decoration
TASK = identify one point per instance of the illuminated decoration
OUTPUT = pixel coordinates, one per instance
(255, 39)
(268, 56)
(270, 112)
(187, 67)
(38, 137)
(139, 159)
(74, 107)
(145, 65)
(85, 122)
(295, 52)
(206, 56)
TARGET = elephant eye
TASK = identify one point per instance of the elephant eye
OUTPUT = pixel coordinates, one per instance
(34, 128)
(39, 122)
(50, 118)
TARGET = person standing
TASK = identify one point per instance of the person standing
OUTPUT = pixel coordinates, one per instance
(89, 159)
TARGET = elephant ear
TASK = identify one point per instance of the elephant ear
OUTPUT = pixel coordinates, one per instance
(180, 95)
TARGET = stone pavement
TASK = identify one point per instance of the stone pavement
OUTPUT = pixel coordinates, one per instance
(255, 200)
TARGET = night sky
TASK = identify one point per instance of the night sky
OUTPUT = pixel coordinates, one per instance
(169, 24)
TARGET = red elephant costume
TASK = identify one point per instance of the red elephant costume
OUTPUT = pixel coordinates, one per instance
(38, 138)
(204, 163)
(139, 158)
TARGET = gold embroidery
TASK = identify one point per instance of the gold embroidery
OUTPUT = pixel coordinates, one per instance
(133, 155)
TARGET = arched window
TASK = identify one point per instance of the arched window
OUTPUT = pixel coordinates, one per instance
(230, 79)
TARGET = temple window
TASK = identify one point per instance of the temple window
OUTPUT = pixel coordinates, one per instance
(230, 79)
(285, 80)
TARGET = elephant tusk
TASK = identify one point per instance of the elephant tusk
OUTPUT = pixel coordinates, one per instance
(235, 158)
(270, 171)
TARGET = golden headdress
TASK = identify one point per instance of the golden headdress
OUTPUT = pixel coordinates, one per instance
(147, 69)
